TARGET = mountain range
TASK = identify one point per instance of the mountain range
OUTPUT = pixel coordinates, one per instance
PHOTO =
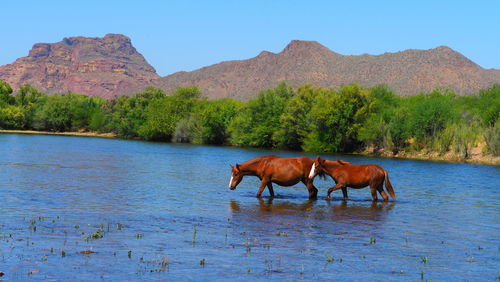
(110, 66)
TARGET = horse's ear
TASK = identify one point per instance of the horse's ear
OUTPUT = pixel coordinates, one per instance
(237, 167)
(230, 166)
(320, 160)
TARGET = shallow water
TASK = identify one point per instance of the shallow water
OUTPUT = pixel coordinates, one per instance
(157, 211)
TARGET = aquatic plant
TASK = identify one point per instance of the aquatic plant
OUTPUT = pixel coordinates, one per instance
(164, 264)
(194, 234)
(282, 234)
(329, 259)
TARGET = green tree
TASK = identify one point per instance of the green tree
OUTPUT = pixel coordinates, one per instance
(376, 129)
(55, 114)
(126, 115)
(211, 120)
(489, 105)
(258, 120)
(5, 94)
(294, 123)
(12, 117)
(428, 115)
(336, 118)
(163, 114)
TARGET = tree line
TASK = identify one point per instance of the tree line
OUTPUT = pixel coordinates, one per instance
(308, 118)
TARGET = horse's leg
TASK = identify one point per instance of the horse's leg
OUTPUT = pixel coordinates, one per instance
(336, 187)
(382, 192)
(313, 192)
(262, 186)
(270, 187)
(379, 185)
(344, 191)
(373, 190)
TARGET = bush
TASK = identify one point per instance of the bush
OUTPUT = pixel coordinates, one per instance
(12, 117)
(492, 139)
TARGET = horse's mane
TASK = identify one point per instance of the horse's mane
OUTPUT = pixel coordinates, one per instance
(343, 162)
(257, 159)
(321, 174)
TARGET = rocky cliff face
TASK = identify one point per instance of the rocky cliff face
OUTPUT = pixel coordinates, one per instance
(103, 67)
(111, 66)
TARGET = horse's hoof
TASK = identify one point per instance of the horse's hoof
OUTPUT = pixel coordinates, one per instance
(257, 196)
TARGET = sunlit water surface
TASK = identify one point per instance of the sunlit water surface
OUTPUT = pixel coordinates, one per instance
(154, 211)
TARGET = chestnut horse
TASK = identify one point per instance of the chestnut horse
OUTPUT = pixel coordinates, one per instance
(354, 176)
(269, 169)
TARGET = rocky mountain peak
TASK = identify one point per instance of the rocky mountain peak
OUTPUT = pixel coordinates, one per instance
(103, 66)
(300, 46)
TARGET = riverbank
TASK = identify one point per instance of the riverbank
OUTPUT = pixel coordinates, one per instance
(476, 156)
(68, 133)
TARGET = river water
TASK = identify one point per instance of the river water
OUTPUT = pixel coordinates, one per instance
(89, 208)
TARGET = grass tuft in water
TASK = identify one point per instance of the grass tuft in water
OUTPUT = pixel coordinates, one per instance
(282, 234)
(194, 234)
(329, 259)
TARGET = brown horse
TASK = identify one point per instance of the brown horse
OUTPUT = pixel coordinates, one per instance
(354, 176)
(282, 171)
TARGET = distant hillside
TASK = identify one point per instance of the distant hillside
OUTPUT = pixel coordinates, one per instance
(111, 66)
(103, 67)
(301, 62)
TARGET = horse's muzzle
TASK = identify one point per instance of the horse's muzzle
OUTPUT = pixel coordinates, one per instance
(232, 188)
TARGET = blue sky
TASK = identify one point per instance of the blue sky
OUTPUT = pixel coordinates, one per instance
(186, 35)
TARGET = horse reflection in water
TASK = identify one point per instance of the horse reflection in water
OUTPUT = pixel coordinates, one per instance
(341, 212)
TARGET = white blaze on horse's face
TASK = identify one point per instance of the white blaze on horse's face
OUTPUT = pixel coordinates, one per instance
(313, 168)
(231, 180)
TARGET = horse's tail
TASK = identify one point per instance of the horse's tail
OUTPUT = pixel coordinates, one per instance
(388, 185)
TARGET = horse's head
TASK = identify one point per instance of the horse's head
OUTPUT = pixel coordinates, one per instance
(317, 168)
(236, 176)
